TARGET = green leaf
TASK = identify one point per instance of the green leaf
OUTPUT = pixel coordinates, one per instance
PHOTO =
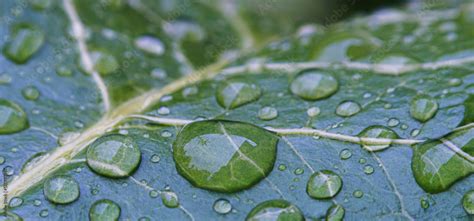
(208, 110)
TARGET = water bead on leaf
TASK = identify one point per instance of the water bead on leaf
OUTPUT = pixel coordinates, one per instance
(235, 94)
(61, 189)
(324, 184)
(314, 85)
(25, 41)
(104, 210)
(423, 108)
(275, 210)
(13, 118)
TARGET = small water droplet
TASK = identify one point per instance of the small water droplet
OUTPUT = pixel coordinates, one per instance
(362, 161)
(166, 134)
(170, 199)
(158, 73)
(8, 170)
(393, 122)
(368, 169)
(26, 40)
(104, 209)
(348, 108)
(314, 85)
(468, 202)
(234, 94)
(454, 82)
(5, 79)
(415, 132)
(32, 161)
(155, 158)
(67, 137)
(423, 107)
(30, 93)
(104, 62)
(13, 118)
(299, 171)
(345, 154)
(425, 204)
(2, 160)
(61, 189)
(37, 202)
(275, 210)
(113, 156)
(282, 167)
(324, 184)
(190, 91)
(358, 194)
(15, 202)
(154, 193)
(267, 113)
(222, 206)
(150, 45)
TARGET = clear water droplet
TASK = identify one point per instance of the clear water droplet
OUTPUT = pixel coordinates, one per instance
(2, 160)
(170, 199)
(61, 189)
(103, 210)
(393, 122)
(267, 113)
(425, 204)
(377, 132)
(5, 79)
(114, 156)
(37, 202)
(299, 171)
(222, 206)
(335, 213)
(234, 94)
(164, 111)
(13, 118)
(31, 163)
(150, 45)
(358, 194)
(153, 193)
(348, 108)
(415, 132)
(104, 62)
(8, 170)
(454, 82)
(314, 85)
(324, 184)
(468, 202)
(15, 202)
(30, 93)
(155, 158)
(44, 213)
(368, 169)
(345, 154)
(275, 210)
(166, 134)
(190, 91)
(362, 161)
(282, 167)
(423, 108)
(205, 150)
(158, 73)
(25, 41)
(313, 111)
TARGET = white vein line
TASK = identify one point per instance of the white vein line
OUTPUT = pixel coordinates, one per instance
(244, 157)
(384, 69)
(394, 187)
(79, 34)
(162, 121)
(190, 215)
(457, 150)
(298, 154)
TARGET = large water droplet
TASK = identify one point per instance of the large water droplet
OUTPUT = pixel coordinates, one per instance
(376, 132)
(348, 108)
(26, 39)
(267, 113)
(224, 156)
(104, 62)
(314, 85)
(9, 216)
(61, 189)
(324, 184)
(275, 210)
(31, 163)
(150, 45)
(13, 118)
(222, 206)
(423, 107)
(169, 199)
(234, 94)
(335, 213)
(104, 210)
(114, 156)
(468, 202)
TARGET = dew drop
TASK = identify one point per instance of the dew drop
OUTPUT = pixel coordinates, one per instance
(44, 213)
(164, 111)
(15, 202)
(299, 171)
(13, 118)
(224, 156)
(348, 108)
(324, 184)
(154, 193)
(335, 213)
(158, 73)
(275, 210)
(166, 134)
(63, 71)
(415, 132)
(150, 45)
(113, 156)
(377, 132)
(41, 4)
(61, 189)
(169, 199)
(30, 93)
(5, 79)
(103, 62)
(37, 202)
(8, 170)
(313, 111)
(423, 107)
(190, 91)
(155, 158)
(368, 169)
(282, 167)
(393, 122)
(362, 161)
(235, 94)
(468, 202)
(358, 194)
(31, 163)
(267, 113)
(454, 82)
(26, 40)
(345, 154)
(104, 210)
(67, 137)
(222, 206)
(424, 203)
(9, 216)
(314, 85)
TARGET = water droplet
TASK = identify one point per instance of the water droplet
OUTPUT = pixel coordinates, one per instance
(144, 218)
(5, 79)
(348, 108)
(2, 160)
(37, 202)
(424, 203)
(9, 216)
(415, 132)
(44, 213)
(468, 202)
(222, 206)
(314, 85)
(170, 199)
(423, 107)
(324, 184)
(30, 93)
(224, 156)
(15, 202)
(358, 194)
(267, 113)
(164, 111)
(362, 161)
(41, 4)
(113, 156)
(234, 94)
(368, 169)
(299, 171)
(67, 137)
(190, 91)
(150, 45)
(335, 213)
(155, 158)
(275, 210)
(313, 111)
(103, 210)
(31, 163)
(345, 154)
(103, 62)
(282, 167)
(61, 189)
(8, 170)
(376, 132)
(63, 71)
(158, 73)
(454, 82)
(13, 118)
(393, 122)
(154, 193)
(166, 133)
(26, 40)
